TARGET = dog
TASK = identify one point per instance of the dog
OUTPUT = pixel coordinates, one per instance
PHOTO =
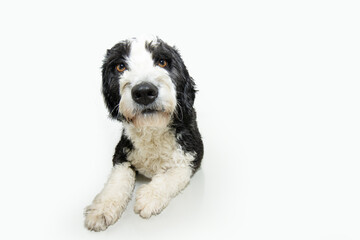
(147, 87)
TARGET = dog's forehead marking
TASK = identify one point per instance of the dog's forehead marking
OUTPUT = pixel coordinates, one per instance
(141, 64)
(139, 55)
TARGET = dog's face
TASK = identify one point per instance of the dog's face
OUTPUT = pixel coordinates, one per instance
(146, 83)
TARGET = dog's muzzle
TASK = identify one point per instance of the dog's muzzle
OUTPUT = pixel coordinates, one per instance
(144, 93)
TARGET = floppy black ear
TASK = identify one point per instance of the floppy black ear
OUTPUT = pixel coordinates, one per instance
(186, 97)
(110, 87)
(110, 77)
(189, 94)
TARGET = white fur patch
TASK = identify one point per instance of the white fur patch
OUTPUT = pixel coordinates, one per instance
(110, 203)
(155, 150)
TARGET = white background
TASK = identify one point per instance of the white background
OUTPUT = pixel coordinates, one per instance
(278, 108)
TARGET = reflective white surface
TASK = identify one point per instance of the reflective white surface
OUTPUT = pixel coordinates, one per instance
(278, 108)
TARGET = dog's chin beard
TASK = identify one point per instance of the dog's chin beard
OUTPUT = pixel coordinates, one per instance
(151, 118)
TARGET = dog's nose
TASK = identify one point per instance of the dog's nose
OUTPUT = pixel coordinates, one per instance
(144, 93)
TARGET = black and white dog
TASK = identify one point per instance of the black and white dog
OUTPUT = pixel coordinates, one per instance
(147, 87)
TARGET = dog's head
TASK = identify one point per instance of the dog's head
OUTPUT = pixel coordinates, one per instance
(146, 83)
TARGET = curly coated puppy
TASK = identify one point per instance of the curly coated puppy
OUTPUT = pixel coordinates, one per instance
(147, 87)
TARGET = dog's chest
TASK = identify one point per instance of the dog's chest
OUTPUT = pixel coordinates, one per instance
(155, 150)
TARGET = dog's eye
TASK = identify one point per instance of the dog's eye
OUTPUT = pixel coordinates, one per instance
(162, 63)
(121, 67)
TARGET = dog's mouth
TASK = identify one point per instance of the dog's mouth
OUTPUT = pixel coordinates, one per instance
(151, 118)
(149, 111)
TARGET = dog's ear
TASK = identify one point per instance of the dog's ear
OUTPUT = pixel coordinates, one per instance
(186, 97)
(189, 94)
(110, 87)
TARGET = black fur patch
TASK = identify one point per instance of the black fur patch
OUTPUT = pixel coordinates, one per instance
(122, 150)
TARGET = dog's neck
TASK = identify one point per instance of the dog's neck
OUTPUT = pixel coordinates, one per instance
(148, 133)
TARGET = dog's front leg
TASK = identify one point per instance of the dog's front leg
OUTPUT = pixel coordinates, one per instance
(153, 197)
(110, 203)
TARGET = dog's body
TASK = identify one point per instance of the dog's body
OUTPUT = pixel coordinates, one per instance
(148, 88)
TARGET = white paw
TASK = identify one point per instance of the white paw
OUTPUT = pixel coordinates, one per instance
(149, 201)
(98, 216)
